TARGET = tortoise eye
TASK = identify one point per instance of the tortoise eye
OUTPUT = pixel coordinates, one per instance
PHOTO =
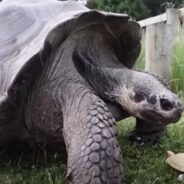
(139, 97)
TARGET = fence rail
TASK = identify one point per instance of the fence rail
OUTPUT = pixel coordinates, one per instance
(153, 20)
(159, 18)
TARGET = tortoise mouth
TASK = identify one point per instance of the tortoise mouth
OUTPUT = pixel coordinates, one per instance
(161, 108)
(164, 112)
(163, 117)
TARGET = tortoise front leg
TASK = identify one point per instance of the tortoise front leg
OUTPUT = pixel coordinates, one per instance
(90, 136)
(147, 133)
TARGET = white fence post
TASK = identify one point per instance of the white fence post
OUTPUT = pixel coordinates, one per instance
(159, 42)
(158, 50)
(172, 15)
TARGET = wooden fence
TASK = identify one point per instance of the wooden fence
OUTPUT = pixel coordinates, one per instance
(159, 36)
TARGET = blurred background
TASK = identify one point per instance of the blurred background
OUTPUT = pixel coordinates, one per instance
(139, 9)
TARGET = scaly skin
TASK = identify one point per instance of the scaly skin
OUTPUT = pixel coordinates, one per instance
(93, 152)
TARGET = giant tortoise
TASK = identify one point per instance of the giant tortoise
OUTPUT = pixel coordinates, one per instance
(66, 77)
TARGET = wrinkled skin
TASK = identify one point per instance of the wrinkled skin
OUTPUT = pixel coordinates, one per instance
(76, 97)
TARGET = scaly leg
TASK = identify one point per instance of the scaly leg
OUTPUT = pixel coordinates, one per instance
(90, 136)
(147, 133)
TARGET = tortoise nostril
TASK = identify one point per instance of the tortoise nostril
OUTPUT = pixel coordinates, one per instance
(166, 104)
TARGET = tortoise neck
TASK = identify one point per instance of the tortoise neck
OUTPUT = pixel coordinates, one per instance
(106, 81)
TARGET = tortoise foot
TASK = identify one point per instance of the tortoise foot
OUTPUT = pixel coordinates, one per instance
(150, 138)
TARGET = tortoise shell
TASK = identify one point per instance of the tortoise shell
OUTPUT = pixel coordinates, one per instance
(27, 25)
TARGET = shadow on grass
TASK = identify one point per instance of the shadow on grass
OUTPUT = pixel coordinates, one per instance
(26, 155)
(23, 164)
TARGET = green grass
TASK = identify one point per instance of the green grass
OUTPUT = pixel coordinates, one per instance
(146, 165)
(52, 175)
(142, 165)
(21, 166)
(178, 66)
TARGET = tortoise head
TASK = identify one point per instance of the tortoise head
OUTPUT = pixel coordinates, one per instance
(138, 93)
(147, 98)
